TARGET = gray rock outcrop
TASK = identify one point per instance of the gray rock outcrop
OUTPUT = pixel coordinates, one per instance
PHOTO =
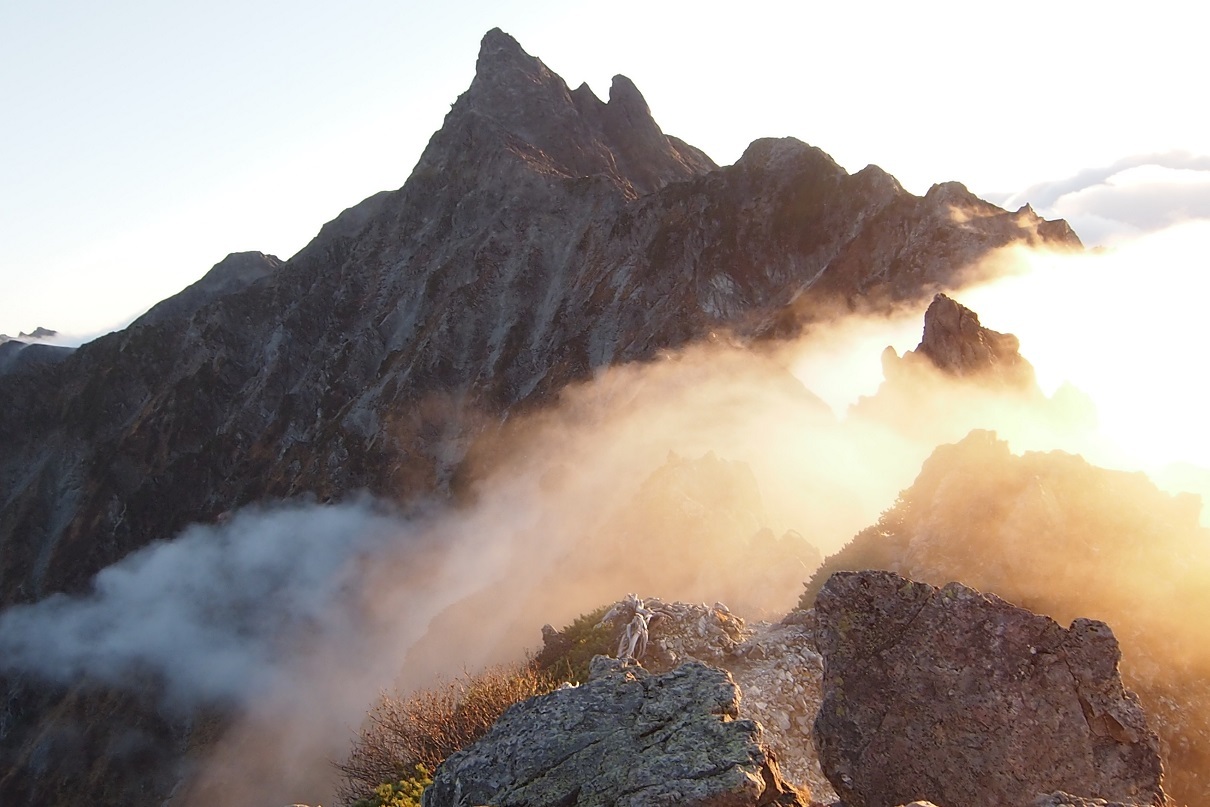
(624, 737)
(964, 699)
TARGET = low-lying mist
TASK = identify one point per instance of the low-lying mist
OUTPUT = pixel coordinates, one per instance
(211, 615)
(659, 478)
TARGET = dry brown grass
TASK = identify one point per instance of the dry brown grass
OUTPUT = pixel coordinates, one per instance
(426, 726)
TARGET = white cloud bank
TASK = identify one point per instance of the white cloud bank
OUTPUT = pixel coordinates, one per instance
(1136, 195)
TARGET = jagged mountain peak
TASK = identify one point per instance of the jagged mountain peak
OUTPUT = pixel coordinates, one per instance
(624, 92)
(36, 333)
(503, 62)
(517, 106)
(946, 191)
(497, 41)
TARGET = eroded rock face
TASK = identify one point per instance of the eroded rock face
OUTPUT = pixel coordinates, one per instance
(964, 699)
(963, 375)
(624, 737)
(774, 664)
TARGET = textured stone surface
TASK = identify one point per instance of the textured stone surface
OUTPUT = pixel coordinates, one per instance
(1061, 799)
(1064, 538)
(775, 665)
(963, 699)
(781, 677)
(624, 737)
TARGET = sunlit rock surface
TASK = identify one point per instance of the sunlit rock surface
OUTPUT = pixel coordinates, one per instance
(962, 698)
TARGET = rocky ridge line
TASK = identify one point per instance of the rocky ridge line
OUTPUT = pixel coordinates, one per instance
(544, 234)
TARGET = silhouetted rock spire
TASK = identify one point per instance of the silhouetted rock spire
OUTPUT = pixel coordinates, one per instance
(956, 343)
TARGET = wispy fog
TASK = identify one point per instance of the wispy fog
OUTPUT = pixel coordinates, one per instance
(214, 614)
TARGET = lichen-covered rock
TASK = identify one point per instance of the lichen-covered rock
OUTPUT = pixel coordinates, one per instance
(964, 699)
(775, 666)
(780, 674)
(624, 737)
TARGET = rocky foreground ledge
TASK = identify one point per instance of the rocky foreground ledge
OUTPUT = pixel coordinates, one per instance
(624, 737)
(919, 696)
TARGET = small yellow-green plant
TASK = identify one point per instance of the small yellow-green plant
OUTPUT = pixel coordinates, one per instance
(406, 792)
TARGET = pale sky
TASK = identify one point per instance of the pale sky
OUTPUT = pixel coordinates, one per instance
(143, 141)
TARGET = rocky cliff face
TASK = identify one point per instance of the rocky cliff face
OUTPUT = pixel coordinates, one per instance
(543, 233)
(963, 376)
(955, 343)
(906, 691)
(955, 346)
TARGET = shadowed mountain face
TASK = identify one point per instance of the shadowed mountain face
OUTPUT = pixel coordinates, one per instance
(543, 233)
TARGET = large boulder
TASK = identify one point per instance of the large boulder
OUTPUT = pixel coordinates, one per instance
(624, 737)
(963, 699)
